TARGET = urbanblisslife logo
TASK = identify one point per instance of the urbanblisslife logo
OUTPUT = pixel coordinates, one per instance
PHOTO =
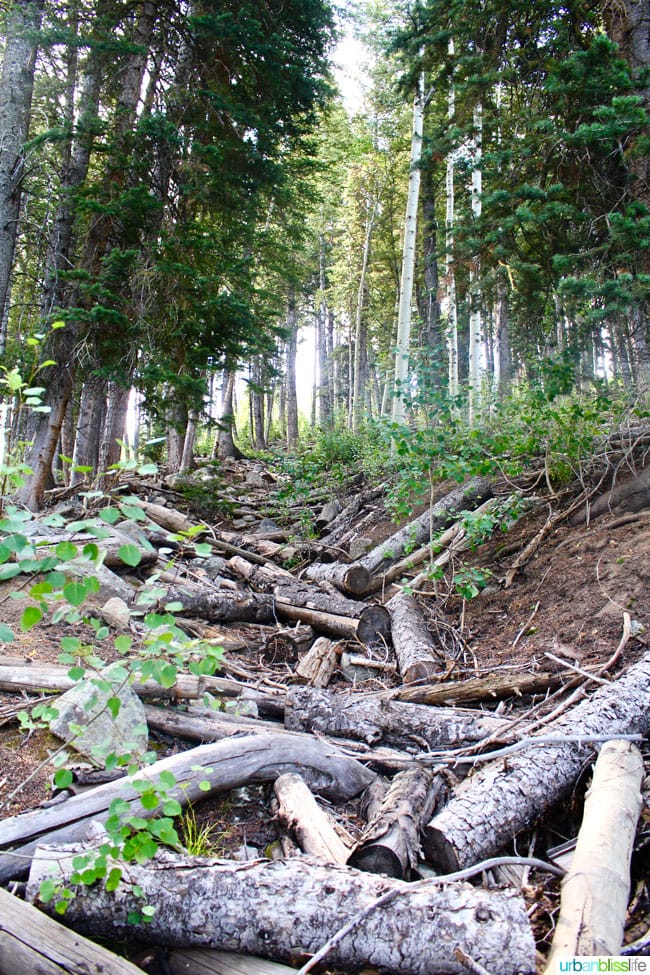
(619, 963)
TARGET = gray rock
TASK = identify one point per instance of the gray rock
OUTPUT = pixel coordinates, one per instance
(213, 566)
(110, 584)
(359, 546)
(268, 525)
(87, 722)
(116, 613)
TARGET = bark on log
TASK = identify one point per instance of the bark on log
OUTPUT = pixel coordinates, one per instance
(369, 628)
(352, 579)
(286, 909)
(390, 843)
(215, 605)
(206, 961)
(33, 944)
(289, 590)
(503, 798)
(307, 821)
(389, 722)
(596, 889)
(481, 688)
(417, 656)
(419, 531)
(225, 765)
(18, 675)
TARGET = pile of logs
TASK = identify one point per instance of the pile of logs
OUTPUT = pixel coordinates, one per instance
(393, 892)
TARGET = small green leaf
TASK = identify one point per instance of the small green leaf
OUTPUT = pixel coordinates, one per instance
(75, 593)
(130, 554)
(113, 879)
(6, 634)
(109, 515)
(31, 616)
(76, 673)
(204, 785)
(149, 800)
(114, 704)
(66, 551)
(63, 778)
(123, 643)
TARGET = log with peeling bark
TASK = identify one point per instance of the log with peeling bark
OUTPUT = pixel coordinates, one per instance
(418, 658)
(391, 722)
(17, 674)
(289, 590)
(286, 909)
(317, 666)
(33, 944)
(419, 531)
(390, 843)
(504, 797)
(481, 688)
(596, 888)
(342, 617)
(223, 766)
(202, 724)
(352, 578)
(308, 822)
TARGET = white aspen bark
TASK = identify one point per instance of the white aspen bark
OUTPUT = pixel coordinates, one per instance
(292, 397)
(360, 330)
(596, 889)
(450, 273)
(475, 321)
(408, 259)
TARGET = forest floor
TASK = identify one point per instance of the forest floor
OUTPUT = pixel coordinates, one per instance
(567, 601)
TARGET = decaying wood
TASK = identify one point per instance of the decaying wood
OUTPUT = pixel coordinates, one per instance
(209, 961)
(391, 722)
(353, 579)
(596, 889)
(317, 666)
(480, 688)
(419, 531)
(225, 765)
(16, 674)
(33, 944)
(289, 590)
(390, 844)
(309, 823)
(418, 657)
(286, 909)
(215, 605)
(501, 798)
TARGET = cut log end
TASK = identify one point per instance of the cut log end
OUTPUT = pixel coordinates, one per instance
(377, 859)
(374, 625)
(439, 851)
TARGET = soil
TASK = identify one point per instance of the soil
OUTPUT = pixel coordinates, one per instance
(569, 600)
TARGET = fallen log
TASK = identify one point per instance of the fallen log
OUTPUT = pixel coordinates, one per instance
(215, 605)
(33, 944)
(500, 800)
(209, 961)
(417, 656)
(353, 579)
(289, 590)
(390, 843)
(480, 688)
(310, 825)
(596, 888)
(419, 531)
(17, 674)
(388, 722)
(201, 724)
(286, 909)
(224, 765)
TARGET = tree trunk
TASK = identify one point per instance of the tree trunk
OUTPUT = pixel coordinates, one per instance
(290, 378)
(406, 726)
(114, 426)
(16, 87)
(92, 410)
(359, 372)
(450, 271)
(390, 843)
(301, 815)
(501, 800)
(400, 392)
(225, 445)
(286, 909)
(417, 656)
(187, 455)
(596, 888)
(475, 315)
